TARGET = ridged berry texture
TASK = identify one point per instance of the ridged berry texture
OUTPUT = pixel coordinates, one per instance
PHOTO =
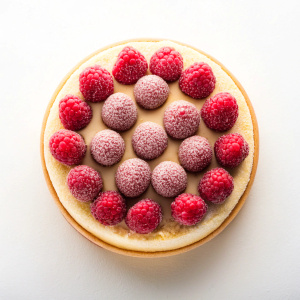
(96, 84)
(68, 147)
(144, 216)
(109, 208)
(198, 81)
(188, 209)
(74, 113)
(130, 66)
(216, 185)
(166, 63)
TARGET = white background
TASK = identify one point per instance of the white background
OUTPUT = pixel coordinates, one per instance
(43, 257)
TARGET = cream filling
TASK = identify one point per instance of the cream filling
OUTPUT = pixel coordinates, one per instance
(169, 235)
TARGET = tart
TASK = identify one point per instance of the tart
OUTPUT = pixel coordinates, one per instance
(170, 237)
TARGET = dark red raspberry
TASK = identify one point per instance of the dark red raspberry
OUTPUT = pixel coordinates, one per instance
(68, 147)
(188, 209)
(130, 66)
(231, 149)
(220, 112)
(144, 216)
(74, 113)
(84, 183)
(109, 208)
(166, 63)
(198, 81)
(96, 84)
(216, 185)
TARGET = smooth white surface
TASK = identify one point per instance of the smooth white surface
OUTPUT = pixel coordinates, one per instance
(256, 257)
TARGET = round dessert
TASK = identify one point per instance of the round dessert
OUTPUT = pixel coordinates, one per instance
(170, 237)
(149, 140)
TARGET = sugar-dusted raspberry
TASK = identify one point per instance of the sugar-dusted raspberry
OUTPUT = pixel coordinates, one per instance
(109, 208)
(169, 179)
(119, 112)
(220, 112)
(68, 147)
(195, 153)
(149, 140)
(231, 149)
(144, 216)
(198, 81)
(84, 183)
(96, 84)
(188, 209)
(166, 63)
(151, 92)
(216, 185)
(130, 66)
(181, 119)
(133, 177)
(107, 147)
(74, 113)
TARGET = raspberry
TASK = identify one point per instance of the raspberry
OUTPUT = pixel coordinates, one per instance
(169, 179)
(74, 113)
(216, 185)
(109, 208)
(149, 140)
(181, 119)
(195, 153)
(96, 84)
(119, 112)
(133, 177)
(231, 149)
(197, 81)
(84, 183)
(220, 112)
(151, 92)
(166, 63)
(107, 147)
(130, 66)
(144, 216)
(188, 209)
(68, 147)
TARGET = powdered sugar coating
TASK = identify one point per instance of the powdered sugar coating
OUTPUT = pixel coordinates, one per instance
(151, 91)
(107, 147)
(169, 179)
(133, 177)
(149, 140)
(181, 119)
(119, 112)
(195, 153)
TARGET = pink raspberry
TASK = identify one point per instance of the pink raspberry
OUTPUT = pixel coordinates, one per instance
(119, 112)
(149, 140)
(144, 216)
(84, 183)
(181, 119)
(188, 209)
(109, 208)
(74, 113)
(151, 92)
(166, 63)
(195, 153)
(231, 149)
(216, 185)
(130, 66)
(220, 112)
(95, 84)
(68, 147)
(107, 147)
(169, 179)
(197, 81)
(133, 177)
